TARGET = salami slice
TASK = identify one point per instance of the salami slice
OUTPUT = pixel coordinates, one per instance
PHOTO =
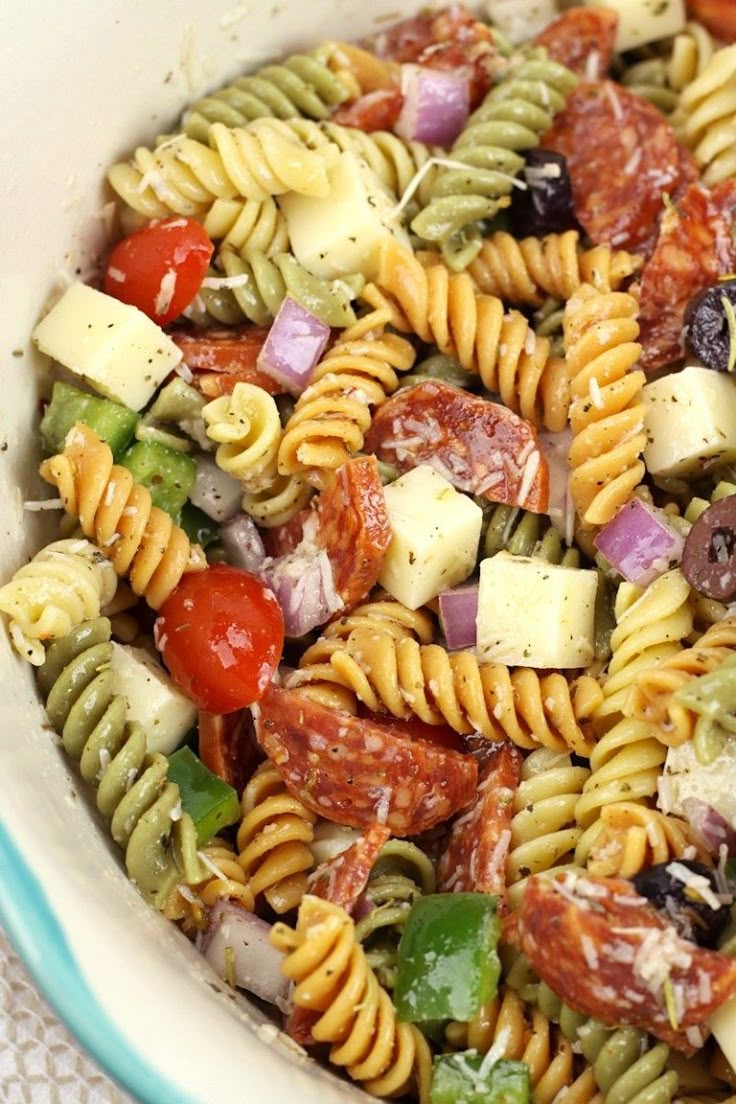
(222, 358)
(478, 446)
(377, 110)
(622, 157)
(343, 879)
(474, 857)
(582, 39)
(609, 954)
(227, 746)
(358, 772)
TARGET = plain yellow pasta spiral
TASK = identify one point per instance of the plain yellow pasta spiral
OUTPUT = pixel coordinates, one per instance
(140, 540)
(524, 272)
(629, 838)
(333, 414)
(276, 504)
(184, 177)
(706, 117)
(245, 224)
(273, 840)
(650, 625)
(606, 409)
(67, 582)
(445, 309)
(247, 429)
(626, 765)
(692, 51)
(189, 905)
(331, 976)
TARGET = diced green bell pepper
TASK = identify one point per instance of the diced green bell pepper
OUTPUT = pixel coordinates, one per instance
(167, 473)
(110, 421)
(447, 961)
(210, 802)
(198, 527)
(466, 1078)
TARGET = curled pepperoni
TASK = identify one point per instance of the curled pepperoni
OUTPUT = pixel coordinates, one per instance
(377, 110)
(609, 954)
(478, 446)
(622, 157)
(719, 16)
(222, 358)
(227, 746)
(355, 771)
(474, 857)
(694, 247)
(582, 39)
(343, 879)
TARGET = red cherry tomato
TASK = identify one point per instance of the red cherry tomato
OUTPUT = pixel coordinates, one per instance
(160, 267)
(221, 634)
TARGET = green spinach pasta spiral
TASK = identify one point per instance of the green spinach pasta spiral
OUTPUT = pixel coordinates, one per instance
(524, 534)
(143, 808)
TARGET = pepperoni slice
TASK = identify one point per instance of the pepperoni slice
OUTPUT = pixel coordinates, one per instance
(474, 857)
(377, 110)
(582, 39)
(622, 157)
(227, 746)
(719, 16)
(355, 771)
(609, 954)
(230, 353)
(343, 879)
(478, 446)
(695, 247)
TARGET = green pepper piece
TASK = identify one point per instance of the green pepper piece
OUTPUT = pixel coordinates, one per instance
(110, 421)
(210, 802)
(167, 473)
(469, 1078)
(447, 961)
(198, 527)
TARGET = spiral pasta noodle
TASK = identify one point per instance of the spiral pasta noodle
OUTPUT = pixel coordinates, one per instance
(368, 71)
(487, 152)
(249, 224)
(691, 52)
(225, 880)
(706, 117)
(332, 415)
(524, 271)
(185, 177)
(625, 766)
(650, 625)
(445, 309)
(302, 84)
(544, 832)
(140, 540)
(273, 840)
(330, 974)
(133, 793)
(649, 78)
(247, 429)
(606, 409)
(277, 503)
(521, 533)
(630, 838)
(67, 582)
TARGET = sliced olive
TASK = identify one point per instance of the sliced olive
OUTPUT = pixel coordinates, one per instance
(709, 555)
(545, 205)
(710, 324)
(681, 900)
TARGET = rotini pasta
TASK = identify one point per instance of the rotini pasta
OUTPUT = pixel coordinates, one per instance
(706, 117)
(248, 224)
(225, 880)
(692, 51)
(273, 841)
(625, 765)
(141, 541)
(649, 77)
(330, 974)
(332, 415)
(628, 838)
(132, 788)
(279, 502)
(247, 429)
(65, 583)
(606, 411)
(517, 531)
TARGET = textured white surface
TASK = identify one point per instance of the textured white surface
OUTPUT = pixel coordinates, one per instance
(40, 1063)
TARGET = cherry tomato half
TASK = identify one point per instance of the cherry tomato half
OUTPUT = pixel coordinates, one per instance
(160, 267)
(221, 634)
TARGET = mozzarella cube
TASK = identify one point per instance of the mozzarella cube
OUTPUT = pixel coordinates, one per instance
(520, 20)
(723, 1024)
(643, 21)
(165, 713)
(436, 531)
(685, 777)
(690, 422)
(343, 233)
(535, 614)
(116, 348)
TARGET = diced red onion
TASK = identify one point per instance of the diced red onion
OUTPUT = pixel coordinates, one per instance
(436, 105)
(242, 543)
(458, 611)
(215, 491)
(256, 964)
(709, 823)
(303, 584)
(363, 907)
(640, 543)
(294, 345)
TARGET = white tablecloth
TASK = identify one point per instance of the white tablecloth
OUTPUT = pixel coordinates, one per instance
(40, 1063)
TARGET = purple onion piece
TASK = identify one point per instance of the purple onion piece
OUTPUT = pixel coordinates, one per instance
(709, 823)
(458, 611)
(640, 543)
(294, 345)
(256, 964)
(303, 584)
(214, 491)
(436, 105)
(242, 543)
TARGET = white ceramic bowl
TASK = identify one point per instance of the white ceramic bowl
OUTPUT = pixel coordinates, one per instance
(81, 84)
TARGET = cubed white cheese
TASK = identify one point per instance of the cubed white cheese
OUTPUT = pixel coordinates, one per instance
(723, 1025)
(520, 20)
(435, 533)
(685, 777)
(343, 233)
(535, 614)
(330, 840)
(644, 21)
(164, 712)
(690, 422)
(115, 347)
